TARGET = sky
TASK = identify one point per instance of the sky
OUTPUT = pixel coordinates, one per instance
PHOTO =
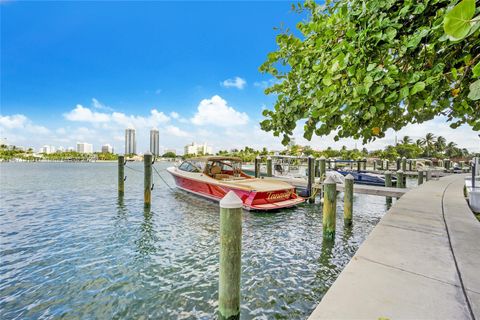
(85, 71)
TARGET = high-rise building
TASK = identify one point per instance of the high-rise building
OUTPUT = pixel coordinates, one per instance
(154, 142)
(106, 148)
(130, 142)
(195, 149)
(83, 147)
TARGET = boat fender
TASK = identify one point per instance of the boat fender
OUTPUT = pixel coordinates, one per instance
(125, 178)
(153, 184)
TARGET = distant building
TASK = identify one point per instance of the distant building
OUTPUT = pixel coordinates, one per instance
(47, 149)
(60, 149)
(3, 142)
(154, 142)
(83, 147)
(70, 149)
(130, 142)
(106, 148)
(196, 149)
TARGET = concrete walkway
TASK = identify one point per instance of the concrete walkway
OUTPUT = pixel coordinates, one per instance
(422, 261)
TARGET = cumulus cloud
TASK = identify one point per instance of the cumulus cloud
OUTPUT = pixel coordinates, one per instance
(266, 83)
(175, 131)
(215, 111)
(83, 114)
(13, 121)
(174, 115)
(236, 82)
(20, 123)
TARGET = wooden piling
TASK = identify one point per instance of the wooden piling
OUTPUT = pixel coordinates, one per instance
(257, 167)
(381, 164)
(348, 200)
(359, 167)
(269, 166)
(317, 167)
(374, 165)
(404, 164)
(311, 178)
(420, 177)
(388, 179)
(230, 256)
(322, 169)
(387, 165)
(364, 163)
(329, 208)
(400, 182)
(121, 175)
(147, 180)
(428, 175)
(410, 165)
(398, 162)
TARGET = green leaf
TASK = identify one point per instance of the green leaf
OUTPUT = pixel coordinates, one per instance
(454, 73)
(419, 86)
(327, 80)
(371, 66)
(476, 70)
(474, 93)
(457, 21)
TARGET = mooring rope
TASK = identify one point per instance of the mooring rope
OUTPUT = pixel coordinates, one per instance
(133, 169)
(162, 178)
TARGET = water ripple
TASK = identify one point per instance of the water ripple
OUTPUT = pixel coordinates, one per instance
(71, 249)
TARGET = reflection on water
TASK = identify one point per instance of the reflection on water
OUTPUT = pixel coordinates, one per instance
(71, 247)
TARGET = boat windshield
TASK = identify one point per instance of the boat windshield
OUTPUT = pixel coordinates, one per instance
(190, 167)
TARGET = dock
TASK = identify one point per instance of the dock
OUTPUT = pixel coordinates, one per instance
(357, 188)
(420, 262)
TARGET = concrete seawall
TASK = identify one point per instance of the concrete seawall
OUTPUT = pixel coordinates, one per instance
(422, 261)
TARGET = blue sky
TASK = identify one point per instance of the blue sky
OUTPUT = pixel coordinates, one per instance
(84, 71)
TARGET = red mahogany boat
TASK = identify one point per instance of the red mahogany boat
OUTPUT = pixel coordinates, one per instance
(214, 177)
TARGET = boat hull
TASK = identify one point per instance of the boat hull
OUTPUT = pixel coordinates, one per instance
(252, 199)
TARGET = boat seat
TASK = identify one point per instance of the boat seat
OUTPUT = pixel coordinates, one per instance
(216, 172)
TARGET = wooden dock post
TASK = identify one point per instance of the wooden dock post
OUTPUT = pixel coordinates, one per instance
(381, 164)
(388, 179)
(404, 164)
(311, 178)
(387, 165)
(375, 165)
(269, 166)
(322, 170)
(364, 163)
(398, 162)
(329, 208)
(410, 165)
(257, 167)
(428, 175)
(317, 167)
(447, 164)
(121, 175)
(420, 177)
(147, 180)
(400, 182)
(359, 167)
(329, 163)
(348, 200)
(230, 256)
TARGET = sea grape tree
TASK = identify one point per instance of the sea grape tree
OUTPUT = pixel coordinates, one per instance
(360, 67)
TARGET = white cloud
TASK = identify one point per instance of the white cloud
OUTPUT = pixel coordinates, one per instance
(174, 115)
(175, 131)
(83, 114)
(13, 121)
(215, 111)
(98, 105)
(266, 83)
(236, 82)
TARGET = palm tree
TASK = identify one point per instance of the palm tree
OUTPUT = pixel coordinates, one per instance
(419, 143)
(440, 144)
(451, 149)
(428, 142)
(406, 140)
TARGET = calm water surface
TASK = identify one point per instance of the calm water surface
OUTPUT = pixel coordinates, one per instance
(71, 249)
